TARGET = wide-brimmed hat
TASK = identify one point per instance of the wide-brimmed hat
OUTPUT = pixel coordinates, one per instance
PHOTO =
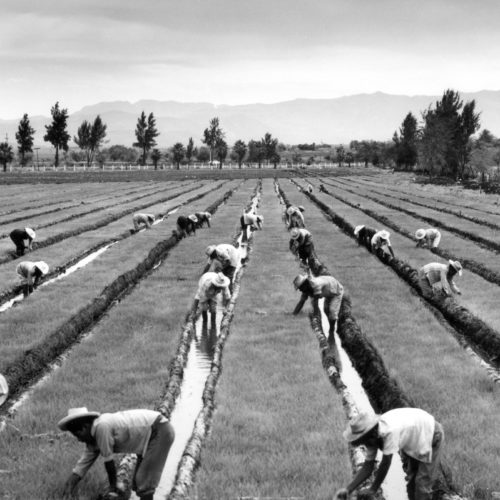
(151, 217)
(75, 414)
(384, 235)
(294, 233)
(4, 389)
(301, 208)
(30, 232)
(420, 234)
(221, 280)
(43, 266)
(456, 265)
(357, 229)
(193, 218)
(360, 425)
(298, 280)
(210, 249)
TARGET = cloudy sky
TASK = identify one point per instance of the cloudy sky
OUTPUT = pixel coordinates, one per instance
(238, 52)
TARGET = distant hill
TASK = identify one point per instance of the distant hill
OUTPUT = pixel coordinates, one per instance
(332, 121)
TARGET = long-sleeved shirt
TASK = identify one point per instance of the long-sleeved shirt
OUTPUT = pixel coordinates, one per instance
(253, 220)
(435, 272)
(378, 242)
(18, 236)
(121, 432)
(295, 213)
(227, 254)
(207, 289)
(146, 219)
(430, 235)
(304, 237)
(325, 286)
(26, 270)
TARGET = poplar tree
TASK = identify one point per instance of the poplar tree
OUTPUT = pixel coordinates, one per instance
(89, 138)
(24, 138)
(145, 132)
(57, 134)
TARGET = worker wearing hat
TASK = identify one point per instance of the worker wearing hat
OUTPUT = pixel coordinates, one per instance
(203, 217)
(436, 279)
(294, 216)
(19, 236)
(364, 235)
(31, 273)
(143, 219)
(146, 433)
(380, 241)
(223, 257)
(318, 287)
(429, 238)
(412, 431)
(210, 285)
(250, 221)
(185, 225)
(301, 244)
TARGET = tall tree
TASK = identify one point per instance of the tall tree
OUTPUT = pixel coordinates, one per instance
(406, 143)
(256, 153)
(155, 157)
(6, 154)
(269, 146)
(24, 137)
(469, 125)
(212, 134)
(89, 138)
(178, 153)
(221, 151)
(340, 154)
(190, 150)
(56, 132)
(240, 150)
(145, 132)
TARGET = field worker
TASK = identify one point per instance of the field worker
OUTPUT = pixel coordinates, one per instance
(412, 431)
(252, 221)
(295, 217)
(310, 188)
(146, 433)
(185, 226)
(436, 279)
(380, 240)
(202, 218)
(19, 236)
(364, 235)
(4, 390)
(429, 238)
(224, 258)
(320, 287)
(31, 273)
(301, 244)
(209, 286)
(322, 188)
(143, 219)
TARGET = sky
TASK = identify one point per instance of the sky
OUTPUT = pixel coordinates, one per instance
(240, 52)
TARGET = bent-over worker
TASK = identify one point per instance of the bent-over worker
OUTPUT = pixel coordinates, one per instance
(318, 287)
(295, 217)
(250, 221)
(31, 273)
(364, 235)
(223, 257)
(185, 225)
(146, 433)
(380, 240)
(429, 238)
(203, 217)
(412, 431)
(19, 236)
(436, 279)
(301, 244)
(143, 219)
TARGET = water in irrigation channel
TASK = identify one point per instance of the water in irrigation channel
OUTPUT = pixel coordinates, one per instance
(394, 485)
(78, 265)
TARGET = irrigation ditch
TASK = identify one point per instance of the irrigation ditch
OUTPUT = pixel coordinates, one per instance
(101, 223)
(34, 363)
(483, 339)
(186, 465)
(383, 391)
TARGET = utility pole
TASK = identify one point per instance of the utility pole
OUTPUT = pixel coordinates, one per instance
(37, 164)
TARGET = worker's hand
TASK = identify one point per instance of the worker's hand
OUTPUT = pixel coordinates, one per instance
(342, 494)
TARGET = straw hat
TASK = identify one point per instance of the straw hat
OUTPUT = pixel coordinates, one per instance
(43, 266)
(456, 265)
(357, 229)
(420, 234)
(298, 280)
(210, 249)
(4, 389)
(384, 235)
(151, 217)
(193, 218)
(360, 425)
(294, 233)
(30, 232)
(75, 414)
(221, 280)
(301, 208)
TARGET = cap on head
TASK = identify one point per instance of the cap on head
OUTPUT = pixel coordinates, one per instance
(43, 266)
(75, 414)
(30, 232)
(294, 233)
(299, 280)
(221, 280)
(360, 425)
(4, 389)
(357, 229)
(420, 234)
(456, 265)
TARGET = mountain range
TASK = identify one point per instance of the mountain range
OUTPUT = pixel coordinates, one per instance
(332, 121)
